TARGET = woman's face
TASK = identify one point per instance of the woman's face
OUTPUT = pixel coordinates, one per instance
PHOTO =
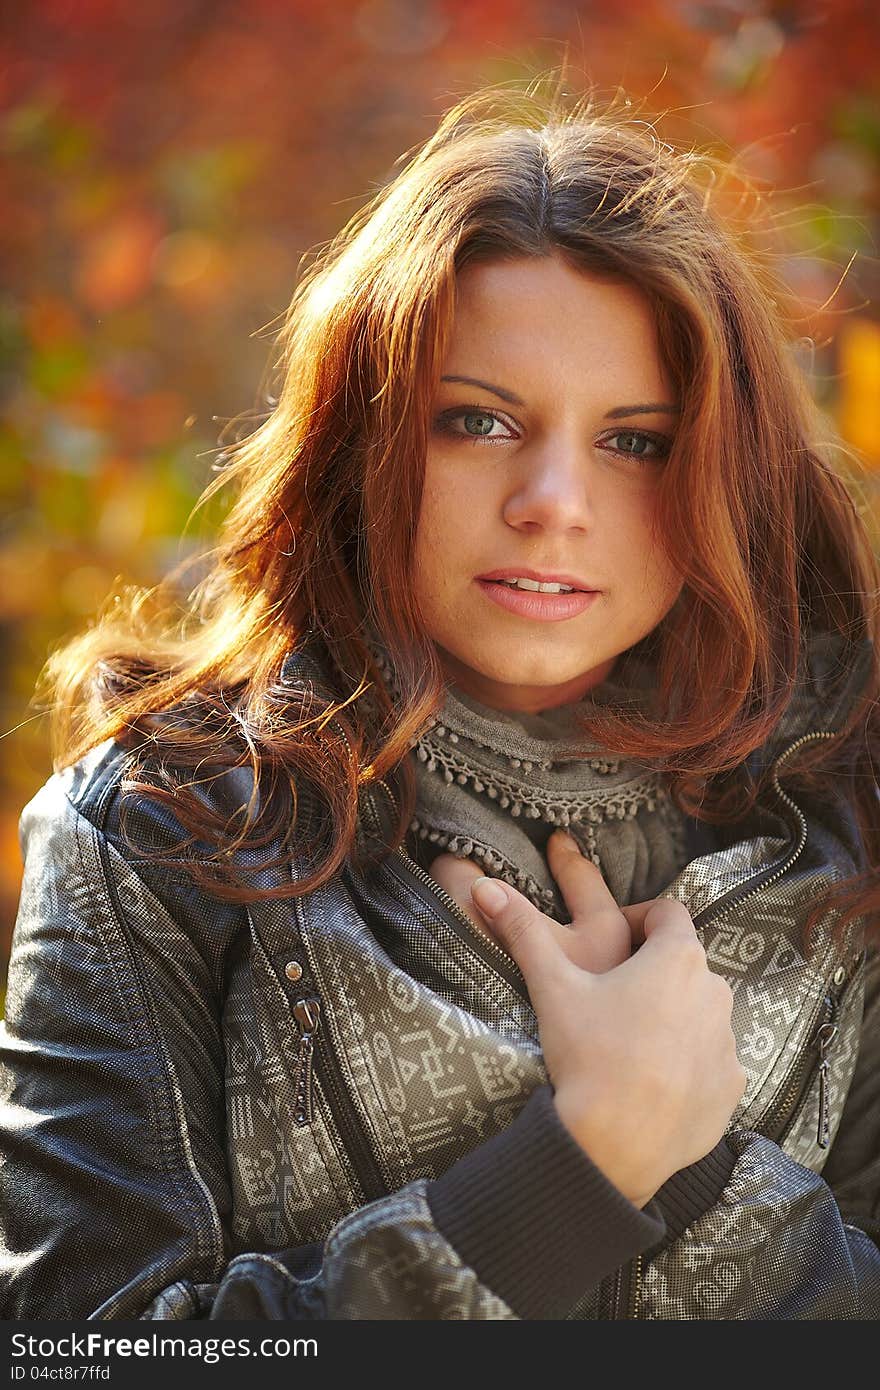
(545, 462)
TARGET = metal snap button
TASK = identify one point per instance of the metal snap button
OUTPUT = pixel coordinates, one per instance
(839, 975)
(293, 970)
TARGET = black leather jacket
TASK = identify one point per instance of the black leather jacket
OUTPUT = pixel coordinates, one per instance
(307, 1108)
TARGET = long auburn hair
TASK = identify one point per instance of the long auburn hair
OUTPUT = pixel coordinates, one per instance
(318, 542)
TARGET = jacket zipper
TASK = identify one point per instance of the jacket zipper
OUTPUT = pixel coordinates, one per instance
(308, 1062)
(489, 952)
(307, 1013)
(764, 877)
(321, 1061)
(776, 1122)
(324, 1063)
(634, 1289)
(823, 1043)
(626, 1289)
(823, 1030)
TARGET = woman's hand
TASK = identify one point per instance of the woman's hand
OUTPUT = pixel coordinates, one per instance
(641, 1053)
(606, 939)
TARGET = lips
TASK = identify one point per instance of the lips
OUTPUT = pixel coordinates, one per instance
(538, 607)
(573, 581)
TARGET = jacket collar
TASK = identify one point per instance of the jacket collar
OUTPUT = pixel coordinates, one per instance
(833, 674)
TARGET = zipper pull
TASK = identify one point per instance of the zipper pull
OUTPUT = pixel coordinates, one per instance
(307, 1013)
(824, 1038)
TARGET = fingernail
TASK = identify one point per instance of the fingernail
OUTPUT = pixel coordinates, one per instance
(488, 894)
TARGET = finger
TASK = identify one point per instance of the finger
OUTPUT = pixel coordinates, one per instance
(526, 935)
(601, 934)
(455, 876)
(581, 882)
(635, 914)
(605, 944)
(668, 923)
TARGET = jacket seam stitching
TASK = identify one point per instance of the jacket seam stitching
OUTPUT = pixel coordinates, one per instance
(194, 1202)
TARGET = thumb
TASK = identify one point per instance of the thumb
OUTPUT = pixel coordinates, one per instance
(524, 932)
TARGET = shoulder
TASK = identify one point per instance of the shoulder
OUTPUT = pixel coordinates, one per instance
(109, 791)
(73, 796)
(75, 822)
(92, 788)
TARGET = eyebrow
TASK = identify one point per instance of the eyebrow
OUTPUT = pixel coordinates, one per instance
(618, 413)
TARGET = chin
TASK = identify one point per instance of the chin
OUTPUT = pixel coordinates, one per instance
(544, 674)
(538, 677)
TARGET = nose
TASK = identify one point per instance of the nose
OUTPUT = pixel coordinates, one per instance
(553, 488)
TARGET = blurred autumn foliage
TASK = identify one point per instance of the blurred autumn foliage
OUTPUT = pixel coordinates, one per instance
(166, 166)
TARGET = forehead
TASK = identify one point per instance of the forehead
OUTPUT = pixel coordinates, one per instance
(529, 307)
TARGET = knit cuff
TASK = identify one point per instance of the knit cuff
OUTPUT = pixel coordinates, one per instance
(534, 1217)
(692, 1191)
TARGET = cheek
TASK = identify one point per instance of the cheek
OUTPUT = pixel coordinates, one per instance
(638, 546)
(663, 580)
(448, 532)
(434, 543)
(428, 568)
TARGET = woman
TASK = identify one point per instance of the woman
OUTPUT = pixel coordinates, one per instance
(538, 574)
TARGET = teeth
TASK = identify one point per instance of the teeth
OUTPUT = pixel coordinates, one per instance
(535, 587)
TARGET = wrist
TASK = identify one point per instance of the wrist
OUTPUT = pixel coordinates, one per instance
(638, 1192)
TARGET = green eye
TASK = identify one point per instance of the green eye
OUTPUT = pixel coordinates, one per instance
(483, 423)
(637, 444)
(477, 422)
(640, 443)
